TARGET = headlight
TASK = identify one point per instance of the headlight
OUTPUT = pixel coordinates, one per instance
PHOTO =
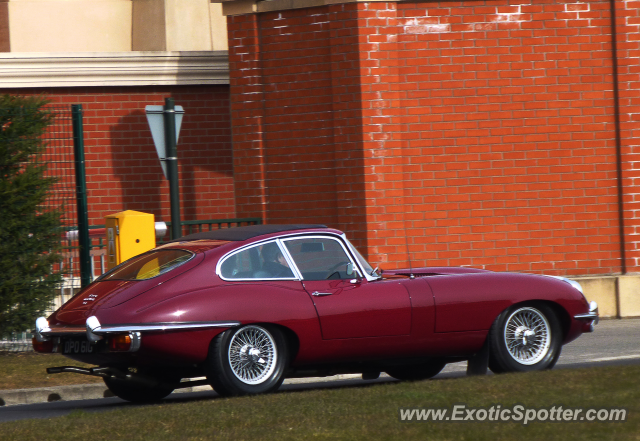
(573, 283)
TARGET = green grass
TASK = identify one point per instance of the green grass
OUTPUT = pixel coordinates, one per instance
(367, 412)
(28, 370)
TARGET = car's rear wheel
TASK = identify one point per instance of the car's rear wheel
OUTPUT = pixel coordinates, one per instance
(416, 372)
(136, 393)
(525, 338)
(247, 360)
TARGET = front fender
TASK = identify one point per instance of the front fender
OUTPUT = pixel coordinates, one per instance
(471, 302)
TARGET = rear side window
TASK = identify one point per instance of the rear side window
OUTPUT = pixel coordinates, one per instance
(264, 261)
(147, 266)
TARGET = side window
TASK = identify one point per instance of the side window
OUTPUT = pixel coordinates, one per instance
(241, 265)
(263, 261)
(320, 258)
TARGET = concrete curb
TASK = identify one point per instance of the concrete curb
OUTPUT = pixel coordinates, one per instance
(53, 393)
(99, 390)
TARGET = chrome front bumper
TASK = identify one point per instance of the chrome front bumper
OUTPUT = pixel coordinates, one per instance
(592, 317)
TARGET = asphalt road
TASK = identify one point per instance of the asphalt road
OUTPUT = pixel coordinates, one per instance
(613, 342)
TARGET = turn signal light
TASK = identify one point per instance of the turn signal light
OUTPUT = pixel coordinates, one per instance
(120, 343)
(42, 346)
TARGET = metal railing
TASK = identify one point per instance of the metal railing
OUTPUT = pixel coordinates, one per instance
(71, 284)
(98, 250)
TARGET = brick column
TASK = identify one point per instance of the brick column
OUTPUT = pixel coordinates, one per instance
(247, 116)
(628, 57)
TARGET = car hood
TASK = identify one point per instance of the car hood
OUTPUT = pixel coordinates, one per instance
(433, 271)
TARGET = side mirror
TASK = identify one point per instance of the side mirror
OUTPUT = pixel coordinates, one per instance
(352, 272)
(349, 269)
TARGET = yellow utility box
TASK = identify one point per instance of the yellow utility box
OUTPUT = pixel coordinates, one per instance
(129, 233)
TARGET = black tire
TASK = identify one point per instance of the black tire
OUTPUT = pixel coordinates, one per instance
(136, 393)
(416, 372)
(525, 338)
(247, 360)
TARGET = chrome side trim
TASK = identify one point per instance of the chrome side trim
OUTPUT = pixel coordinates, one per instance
(94, 331)
(150, 327)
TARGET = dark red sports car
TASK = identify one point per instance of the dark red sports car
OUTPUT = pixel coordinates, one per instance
(247, 307)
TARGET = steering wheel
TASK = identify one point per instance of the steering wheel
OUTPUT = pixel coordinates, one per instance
(334, 269)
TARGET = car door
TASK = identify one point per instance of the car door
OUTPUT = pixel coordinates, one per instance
(348, 306)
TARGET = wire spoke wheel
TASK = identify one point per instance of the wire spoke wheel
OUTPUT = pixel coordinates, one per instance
(248, 360)
(527, 335)
(252, 355)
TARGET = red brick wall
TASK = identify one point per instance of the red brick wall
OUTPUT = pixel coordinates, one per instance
(297, 144)
(484, 130)
(512, 122)
(122, 166)
(628, 55)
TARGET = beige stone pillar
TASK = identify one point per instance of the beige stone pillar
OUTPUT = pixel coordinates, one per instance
(173, 25)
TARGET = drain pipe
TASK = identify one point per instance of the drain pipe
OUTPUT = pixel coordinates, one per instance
(616, 115)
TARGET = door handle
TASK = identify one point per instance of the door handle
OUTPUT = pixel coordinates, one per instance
(320, 294)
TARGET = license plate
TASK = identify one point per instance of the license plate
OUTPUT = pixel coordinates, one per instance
(77, 347)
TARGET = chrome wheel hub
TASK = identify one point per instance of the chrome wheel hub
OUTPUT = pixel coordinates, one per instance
(527, 335)
(252, 355)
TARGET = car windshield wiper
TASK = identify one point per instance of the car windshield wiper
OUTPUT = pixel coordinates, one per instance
(374, 272)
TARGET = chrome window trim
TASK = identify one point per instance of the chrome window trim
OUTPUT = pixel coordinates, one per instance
(289, 259)
(337, 238)
(102, 277)
(280, 240)
(296, 273)
(369, 277)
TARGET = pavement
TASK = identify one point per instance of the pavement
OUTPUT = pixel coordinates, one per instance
(614, 342)
(99, 390)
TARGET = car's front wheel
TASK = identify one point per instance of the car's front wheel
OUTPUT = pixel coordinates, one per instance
(525, 338)
(416, 372)
(247, 360)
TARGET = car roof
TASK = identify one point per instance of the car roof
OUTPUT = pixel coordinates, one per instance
(244, 233)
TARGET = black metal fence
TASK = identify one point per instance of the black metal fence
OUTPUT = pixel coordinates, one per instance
(71, 285)
(98, 249)
(61, 164)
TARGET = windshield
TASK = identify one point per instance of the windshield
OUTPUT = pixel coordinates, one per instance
(146, 266)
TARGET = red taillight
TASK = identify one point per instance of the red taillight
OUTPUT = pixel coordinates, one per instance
(120, 343)
(42, 346)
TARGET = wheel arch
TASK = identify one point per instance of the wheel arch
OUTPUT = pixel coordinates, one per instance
(500, 362)
(561, 313)
(292, 340)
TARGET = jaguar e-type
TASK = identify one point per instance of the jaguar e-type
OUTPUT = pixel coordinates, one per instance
(247, 307)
